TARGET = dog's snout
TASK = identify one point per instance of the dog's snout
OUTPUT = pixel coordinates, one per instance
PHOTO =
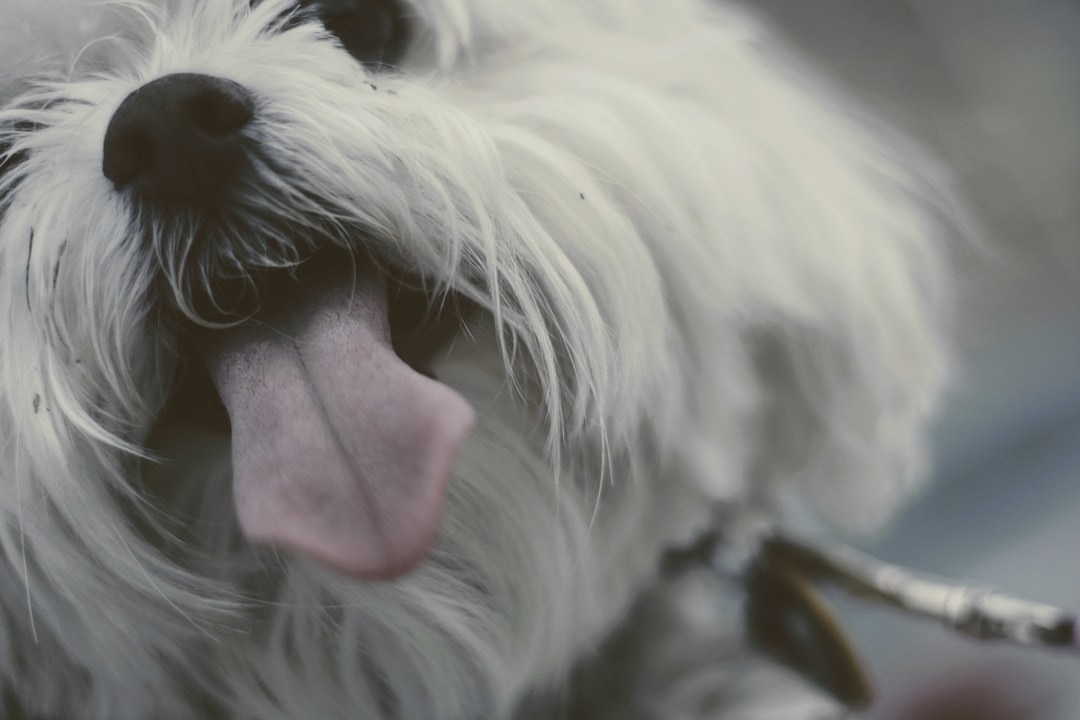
(177, 139)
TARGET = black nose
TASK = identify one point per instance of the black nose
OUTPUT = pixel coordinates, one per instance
(177, 140)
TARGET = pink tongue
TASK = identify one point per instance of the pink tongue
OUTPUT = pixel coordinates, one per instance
(340, 450)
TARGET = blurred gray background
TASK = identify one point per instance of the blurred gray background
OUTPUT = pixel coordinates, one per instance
(993, 86)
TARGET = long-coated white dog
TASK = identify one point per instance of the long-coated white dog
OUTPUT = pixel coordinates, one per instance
(362, 358)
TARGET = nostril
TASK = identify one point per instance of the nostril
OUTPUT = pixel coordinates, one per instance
(221, 110)
(129, 155)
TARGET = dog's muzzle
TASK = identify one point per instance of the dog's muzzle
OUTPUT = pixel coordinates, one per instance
(342, 447)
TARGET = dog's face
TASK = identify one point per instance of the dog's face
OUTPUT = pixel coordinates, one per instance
(375, 350)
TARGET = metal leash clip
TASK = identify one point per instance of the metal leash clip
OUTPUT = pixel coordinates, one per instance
(790, 617)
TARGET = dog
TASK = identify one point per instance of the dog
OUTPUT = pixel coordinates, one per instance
(362, 359)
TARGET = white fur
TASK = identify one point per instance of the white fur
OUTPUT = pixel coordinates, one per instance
(707, 280)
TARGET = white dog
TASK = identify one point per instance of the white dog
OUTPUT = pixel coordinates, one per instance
(361, 358)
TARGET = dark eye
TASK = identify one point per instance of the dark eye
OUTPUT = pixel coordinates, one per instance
(373, 31)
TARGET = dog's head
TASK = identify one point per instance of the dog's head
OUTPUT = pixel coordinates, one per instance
(478, 305)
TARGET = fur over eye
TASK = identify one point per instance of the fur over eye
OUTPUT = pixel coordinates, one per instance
(372, 31)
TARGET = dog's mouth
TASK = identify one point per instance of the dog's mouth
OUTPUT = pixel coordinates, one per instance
(342, 439)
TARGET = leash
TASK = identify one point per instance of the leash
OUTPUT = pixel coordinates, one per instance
(790, 618)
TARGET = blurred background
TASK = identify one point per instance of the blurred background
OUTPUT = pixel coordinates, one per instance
(992, 86)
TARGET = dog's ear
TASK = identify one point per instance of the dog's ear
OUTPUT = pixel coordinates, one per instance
(851, 373)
